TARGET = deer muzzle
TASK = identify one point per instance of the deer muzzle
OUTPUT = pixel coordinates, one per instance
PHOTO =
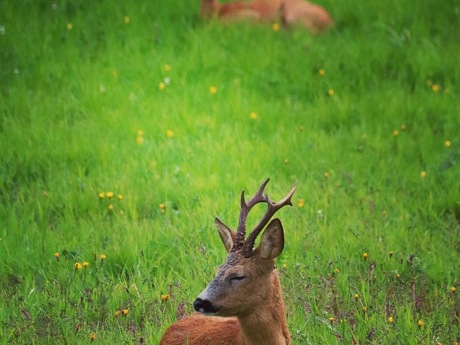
(204, 306)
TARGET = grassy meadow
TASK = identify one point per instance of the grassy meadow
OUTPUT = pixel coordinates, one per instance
(126, 128)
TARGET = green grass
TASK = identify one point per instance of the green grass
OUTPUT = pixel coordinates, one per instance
(73, 99)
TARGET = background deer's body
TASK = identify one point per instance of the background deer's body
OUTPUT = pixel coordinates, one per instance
(292, 12)
(299, 12)
(243, 304)
(257, 10)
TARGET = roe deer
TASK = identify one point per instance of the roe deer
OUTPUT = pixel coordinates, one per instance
(256, 10)
(243, 305)
(292, 12)
(299, 12)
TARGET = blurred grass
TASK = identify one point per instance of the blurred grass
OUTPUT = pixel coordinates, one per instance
(97, 98)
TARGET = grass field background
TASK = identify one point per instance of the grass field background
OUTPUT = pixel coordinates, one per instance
(175, 116)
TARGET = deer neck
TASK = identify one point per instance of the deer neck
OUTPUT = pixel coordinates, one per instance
(267, 325)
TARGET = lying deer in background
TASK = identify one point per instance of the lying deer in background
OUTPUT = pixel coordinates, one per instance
(243, 305)
(292, 12)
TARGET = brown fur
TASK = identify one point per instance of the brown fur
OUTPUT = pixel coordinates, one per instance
(200, 329)
(299, 12)
(256, 10)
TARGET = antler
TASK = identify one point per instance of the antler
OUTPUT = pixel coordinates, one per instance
(271, 210)
(245, 208)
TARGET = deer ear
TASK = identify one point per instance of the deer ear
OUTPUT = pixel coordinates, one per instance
(272, 241)
(226, 235)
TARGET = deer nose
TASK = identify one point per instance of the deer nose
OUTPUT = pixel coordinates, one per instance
(204, 306)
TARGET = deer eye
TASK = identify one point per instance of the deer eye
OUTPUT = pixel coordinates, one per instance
(236, 278)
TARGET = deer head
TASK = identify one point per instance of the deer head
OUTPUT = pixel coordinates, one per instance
(208, 8)
(245, 281)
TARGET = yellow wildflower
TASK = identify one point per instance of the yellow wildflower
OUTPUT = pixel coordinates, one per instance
(93, 337)
(125, 312)
(103, 257)
(321, 72)
(275, 26)
(127, 20)
(423, 174)
(213, 90)
(453, 289)
(169, 133)
(447, 143)
(161, 86)
(163, 208)
(435, 88)
(110, 207)
(165, 297)
(390, 319)
(57, 256)
(69, 26)
(330, 92)
(395, 133)
(356, 296)
(300, 203)
(420, 323)
(78, 266)
(119, 196)
(85, 264)
(109, 195)
(253, 115)
(101, 195)
(167, 67)
(365, 256)
(331, 319)
(117, 313)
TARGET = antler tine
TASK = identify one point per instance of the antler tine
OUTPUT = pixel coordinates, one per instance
(271, 210)
(245, 208)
